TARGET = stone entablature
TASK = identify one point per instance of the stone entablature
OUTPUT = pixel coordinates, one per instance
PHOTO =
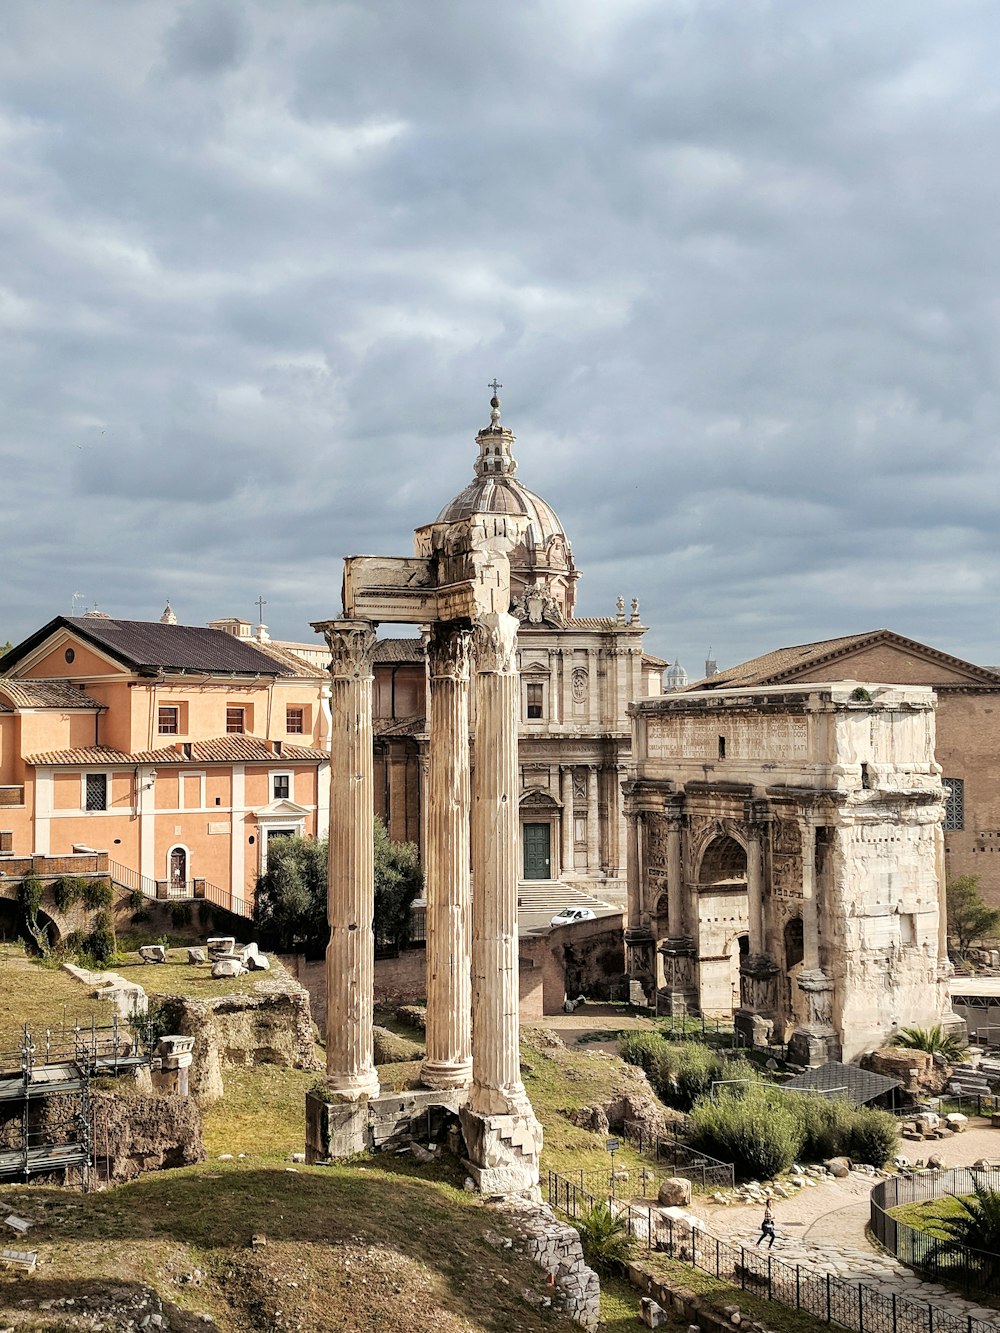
(789, 861)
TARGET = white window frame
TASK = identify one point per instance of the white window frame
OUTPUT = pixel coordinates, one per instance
(272, 776)
(191, 773)
(96, 772)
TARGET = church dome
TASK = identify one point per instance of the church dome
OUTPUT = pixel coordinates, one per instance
(542, 564)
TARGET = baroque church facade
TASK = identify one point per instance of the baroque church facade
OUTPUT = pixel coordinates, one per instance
(578, 676)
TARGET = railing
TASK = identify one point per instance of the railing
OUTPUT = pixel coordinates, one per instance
(105, 1048)
(192, 889)
(830, 1299)
(683, 1160)
(974, 1270)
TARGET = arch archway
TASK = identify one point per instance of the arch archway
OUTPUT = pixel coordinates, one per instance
(723, 922)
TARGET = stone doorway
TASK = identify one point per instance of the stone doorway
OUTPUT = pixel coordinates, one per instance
(537, 842)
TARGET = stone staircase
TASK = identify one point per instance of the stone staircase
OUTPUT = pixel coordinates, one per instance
(539, 901)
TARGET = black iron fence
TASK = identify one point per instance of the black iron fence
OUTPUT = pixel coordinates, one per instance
(831, 1299)
(976, 1271)
(680, 1159)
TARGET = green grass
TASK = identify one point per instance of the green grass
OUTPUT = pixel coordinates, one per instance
(42, 997)
(777, 1318)
(928, 1216)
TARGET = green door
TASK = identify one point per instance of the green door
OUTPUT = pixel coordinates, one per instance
(536, 851)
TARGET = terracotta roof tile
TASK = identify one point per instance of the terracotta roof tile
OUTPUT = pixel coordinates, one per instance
(25, 693)
(398, 650)
(219, 750)
(782, 664)
(297, 666)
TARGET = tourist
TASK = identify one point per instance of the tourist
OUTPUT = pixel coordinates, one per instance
(767, 1226)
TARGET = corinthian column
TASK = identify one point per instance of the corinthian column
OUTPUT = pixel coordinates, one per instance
(449, 982)
(350, 955)
(496, 1074)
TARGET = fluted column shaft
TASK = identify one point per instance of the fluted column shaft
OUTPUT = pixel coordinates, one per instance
(496, 1075)
(810, 912)
(593, 822)
(675, 881)
(567, 820)
(350, 955)
(448, 1063)
(759, 944)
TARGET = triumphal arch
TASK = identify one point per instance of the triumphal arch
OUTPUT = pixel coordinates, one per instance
(786, 862)
(458, 586)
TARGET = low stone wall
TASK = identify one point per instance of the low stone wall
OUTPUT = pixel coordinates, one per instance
(273, 1025)
(686, 1306)
(583, 958)
(335, 1130)
(555, 1246)
(133, 1134)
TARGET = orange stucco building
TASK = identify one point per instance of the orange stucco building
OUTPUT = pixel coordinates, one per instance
(182, 751)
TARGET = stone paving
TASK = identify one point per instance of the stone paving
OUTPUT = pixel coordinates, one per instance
(823, 1228)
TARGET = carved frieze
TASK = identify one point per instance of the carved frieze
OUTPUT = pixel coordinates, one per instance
(657, 830)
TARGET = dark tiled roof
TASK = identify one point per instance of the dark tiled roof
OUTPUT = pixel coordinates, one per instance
(851, 1082)
(398, 650)
(219, 750)
(398, 726)
(152, 646)
(783, 664)
(27, 693)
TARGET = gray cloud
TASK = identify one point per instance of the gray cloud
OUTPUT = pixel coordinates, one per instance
(735, 265)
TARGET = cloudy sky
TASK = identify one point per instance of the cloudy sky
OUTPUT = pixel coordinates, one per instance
(734, 261)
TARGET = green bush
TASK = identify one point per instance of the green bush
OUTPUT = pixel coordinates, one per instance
(874, 1136)
(607, 1246)
(684, 1072)
(754, 1129)
(100, 943)
(137, 900)
(827, 1124)
(180, 915)
(97, 894)
(641, 1049)
(67, 891)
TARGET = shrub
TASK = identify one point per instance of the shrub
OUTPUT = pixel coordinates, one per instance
(874, 1136)
(180, 915)
(607, 1246)
(827, 1125)
(100, 943)
(683, 1072)
(97, 894)
(66, 892)
(933, 1039)
(755, 1130)
(29, 895)
(137, 901)
(974, 1235)
(641, 1048)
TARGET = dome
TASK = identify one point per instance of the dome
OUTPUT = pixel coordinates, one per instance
(542, 564)
(677, 677)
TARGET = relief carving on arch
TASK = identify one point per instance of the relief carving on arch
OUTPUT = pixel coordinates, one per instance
(657, 829)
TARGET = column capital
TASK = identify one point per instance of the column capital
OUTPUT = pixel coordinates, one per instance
(494, 638)
(351, 644)
(449, 651)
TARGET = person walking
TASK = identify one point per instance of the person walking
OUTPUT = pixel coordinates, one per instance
(767, 1227)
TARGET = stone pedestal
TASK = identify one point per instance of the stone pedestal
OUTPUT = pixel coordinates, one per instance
(350, 955)
(678, 995)
(503, 1138)
(170, 1064)
(815, 1042)
(755, 1018)
(448, 1063)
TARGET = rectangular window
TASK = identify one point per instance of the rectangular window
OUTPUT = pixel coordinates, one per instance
(281, 786)
(96, 791)
(954, 806)
(6, 842)
(168, 720)
(722, 747)
(534, 700)
(295, 721)
(234, 721)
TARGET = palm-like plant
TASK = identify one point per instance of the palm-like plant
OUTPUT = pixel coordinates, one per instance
(607, 1246)
(933, 1039)
(973, 1235)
